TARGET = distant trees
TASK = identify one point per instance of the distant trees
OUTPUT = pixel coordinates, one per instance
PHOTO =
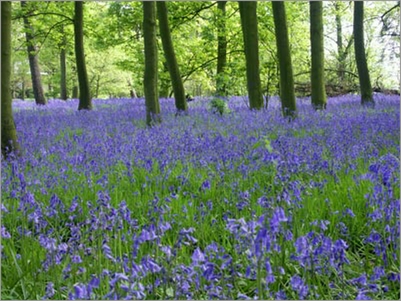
(360, 56)
(38, 93)
(150, 75)
(249, 24)
(287, 93)
(9, 142)
(171, 61)
(117, 29)
(85, 101)
(319, 99)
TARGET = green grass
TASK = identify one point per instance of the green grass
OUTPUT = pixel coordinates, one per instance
(22, 279)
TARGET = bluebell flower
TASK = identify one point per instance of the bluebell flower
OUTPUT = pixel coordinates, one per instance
(299, 286)
(362, 295)
(50, 291)
(4, 232)
(198, 256)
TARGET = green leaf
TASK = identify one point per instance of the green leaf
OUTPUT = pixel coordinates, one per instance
(257, 144)
(170, 292)
(268, 145)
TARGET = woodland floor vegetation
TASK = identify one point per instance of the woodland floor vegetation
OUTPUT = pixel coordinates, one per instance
(238, 205)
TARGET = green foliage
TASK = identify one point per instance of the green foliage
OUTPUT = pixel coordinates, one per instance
(219, 106)
(114, 43)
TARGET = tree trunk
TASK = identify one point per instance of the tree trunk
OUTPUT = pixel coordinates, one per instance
(340, 47)
(38, 93)
(9, 142)
(150, 76)
(249, 25)
(97, 86)
(75, 92)
(221, 50)
(23, 90)
(63, 68)
(319, 99)
(169, 54)
(85, 101)
(287, 93)
(360, 56)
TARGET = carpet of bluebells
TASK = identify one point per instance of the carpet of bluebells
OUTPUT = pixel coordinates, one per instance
(244, 205)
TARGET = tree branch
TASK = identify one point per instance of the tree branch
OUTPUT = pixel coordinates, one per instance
(389, 11)
(201, 66)
(45, 13)
(49, 31)
(190, 16)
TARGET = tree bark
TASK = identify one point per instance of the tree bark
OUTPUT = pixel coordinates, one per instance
(249, 25)
(221, 50)
(150, 75)
(23, 90)
(75, 92)
(38, 93)
(85, 101)
(9, 143)
(287, 93)
(360, 56)
(169, 54)
(319, 98)
(63, 67)
(340, 47)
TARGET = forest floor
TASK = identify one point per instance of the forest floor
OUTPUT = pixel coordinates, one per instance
(244, 205)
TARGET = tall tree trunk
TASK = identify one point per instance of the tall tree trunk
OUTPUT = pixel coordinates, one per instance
(319, 99)
(360, 56)
(169, 54)
(9, 142)
(150, 76)
(340, 47)
(249, 23)
(287, 93)
(63, 67)
(221, 49)
(38, 93)
(85, 101)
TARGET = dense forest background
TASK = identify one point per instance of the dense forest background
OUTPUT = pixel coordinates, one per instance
(114, 48)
